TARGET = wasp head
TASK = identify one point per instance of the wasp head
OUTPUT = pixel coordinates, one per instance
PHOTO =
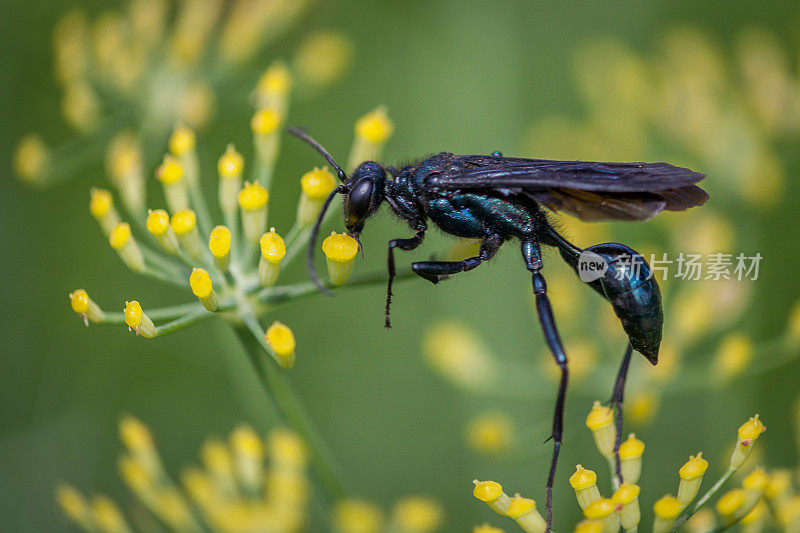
(365, 192)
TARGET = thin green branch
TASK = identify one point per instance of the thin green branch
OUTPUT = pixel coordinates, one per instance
(159, 313)
(702, 501)
(184, 321)
(274, 295)
(277, 386)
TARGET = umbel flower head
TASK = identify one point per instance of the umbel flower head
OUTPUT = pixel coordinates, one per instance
(154, 63)
(622, 508)
(245, 483)
(232, 268)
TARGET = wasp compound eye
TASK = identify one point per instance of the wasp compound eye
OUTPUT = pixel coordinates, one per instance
(358, 201)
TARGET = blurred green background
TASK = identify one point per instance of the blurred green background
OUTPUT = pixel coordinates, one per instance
(462, 76)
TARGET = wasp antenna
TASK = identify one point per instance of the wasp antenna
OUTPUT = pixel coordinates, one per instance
(312, 243)
(303, 136)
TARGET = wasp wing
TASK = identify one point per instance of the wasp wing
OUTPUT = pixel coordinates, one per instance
(589, 190)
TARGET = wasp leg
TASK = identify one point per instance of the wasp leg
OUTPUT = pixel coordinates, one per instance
(434, 271)
(403, 244)
(533, 261)
(616, 403)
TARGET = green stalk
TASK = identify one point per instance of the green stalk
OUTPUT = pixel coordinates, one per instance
(289, 406)
(702, 501)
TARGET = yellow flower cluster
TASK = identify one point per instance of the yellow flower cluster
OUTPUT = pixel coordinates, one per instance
(245, 484)
(146, 64)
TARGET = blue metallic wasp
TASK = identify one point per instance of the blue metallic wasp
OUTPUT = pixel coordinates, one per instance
(496, 199)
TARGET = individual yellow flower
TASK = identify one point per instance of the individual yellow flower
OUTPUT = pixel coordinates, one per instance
(691, 474)
(219, 244)
(230, 167)
(340, 251)
(125, 245)
(357, 516)
(248, 453)
(417, 514)
(171, 175)
(200, 283)
(315, 186)
(491, 493)
(372, 131)
(630, 457)
(603, 511)
(322, 58)
(584, 482)
(733, 355)
(588, 526)
(490, 433)
(74, 505)
(184, 224)
(748, 434)
(138, 321)
(85, 307)
(253, 200)
(730, 505)
(101, 206)
(273, 250)
(272, 89)
(666, 511)
(523, 512)
(280, 337)
(158, 225)
(601, 422)
(626, 500)
(457, 354)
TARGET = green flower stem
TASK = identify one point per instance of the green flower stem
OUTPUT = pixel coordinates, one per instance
(163, 313)
(183, 322)
(702, 501)
(166, 277)
(289, 406)
(274, 295)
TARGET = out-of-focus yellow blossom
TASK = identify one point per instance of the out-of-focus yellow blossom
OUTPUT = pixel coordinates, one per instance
(357, 516)
(734, 354)
(30, 158)
(490, 433)
(282, 341)
(417, 514)
(322, 58)
(458, 355)
(372, 131)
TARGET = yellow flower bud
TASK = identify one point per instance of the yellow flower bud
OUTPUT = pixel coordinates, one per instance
(778, 489)
(253, 200)
(248, 452)
(125, 245)
(281, 340)
(219, 243)
(158, 225)
(417, 514)
(273, 249)
(74, 505)
(666, 510)
(491, 493)
(730, 505)
(138, 320)
(603, 510)
(316, 185)
(287, 449)
(273, 87)
(340, 251)
(184, 224)
(322, 58)
(107, 515)
(691, 474)
(182, 141)
(523, 511)
(630, 458)
(230, 168)
(584, 481)
(490, 433)
(170, 173)
(200, 283)
(356, 516)
(748, 434)
(101, 206)
(85, 307)
(588, 526)
(30, 159)
(601, 422)
(372, 131)
(266, 121)
(626, 500)
(754, 485)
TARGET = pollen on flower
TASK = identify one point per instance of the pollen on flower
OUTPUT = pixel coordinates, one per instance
(273, 249)
(375, 126)
(183, 221)
(100, 202)
(231, 163)
(253, 196)
(219, 242)
(266, 121)
(340, 247)
(182, 141)
(170, 171)
(200, 282)
(157, 221)
(318, 183)
(120, 236)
